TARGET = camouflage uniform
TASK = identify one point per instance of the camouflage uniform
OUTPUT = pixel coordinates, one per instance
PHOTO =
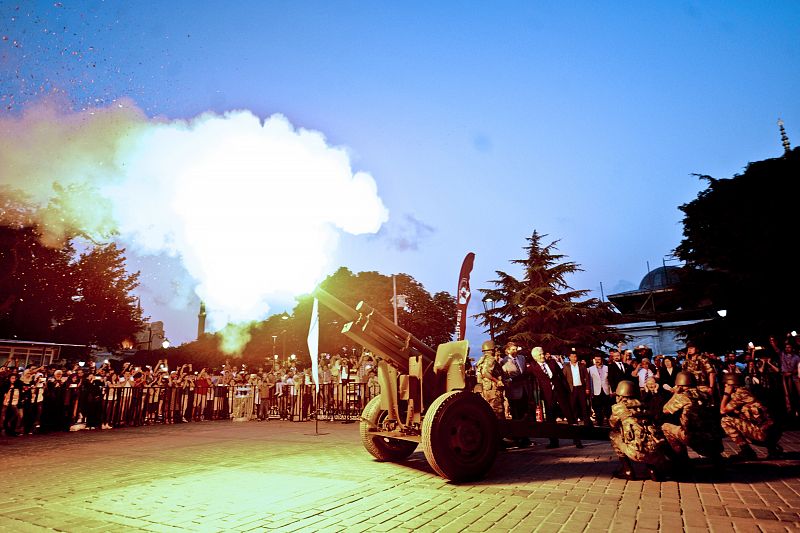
(749, 421)
(701, 368)
(699, 423)
(634, 435)
(487, 368)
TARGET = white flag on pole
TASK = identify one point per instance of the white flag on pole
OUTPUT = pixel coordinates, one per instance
(313, 343)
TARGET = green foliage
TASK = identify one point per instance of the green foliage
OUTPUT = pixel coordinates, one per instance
(541, 309)
(431, 318)
(103, 310)
(48, 295)
(738, 236)
(35, 284)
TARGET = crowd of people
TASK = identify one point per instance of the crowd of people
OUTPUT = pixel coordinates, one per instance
(657, 406)
(49, 398)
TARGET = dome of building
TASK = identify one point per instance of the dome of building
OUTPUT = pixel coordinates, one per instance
(660, 278)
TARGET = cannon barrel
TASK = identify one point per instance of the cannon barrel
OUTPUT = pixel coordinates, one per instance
(373, 331)
(335, 304)
(386, 324)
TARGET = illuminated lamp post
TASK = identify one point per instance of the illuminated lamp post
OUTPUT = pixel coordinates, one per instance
(284, 316)
(488, 305)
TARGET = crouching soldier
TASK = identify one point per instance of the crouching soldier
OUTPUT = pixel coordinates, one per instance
(490, 373)
(635, 437)
(696, 424)
(745, 421)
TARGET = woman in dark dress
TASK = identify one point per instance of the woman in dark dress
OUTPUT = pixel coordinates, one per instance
(667, 373)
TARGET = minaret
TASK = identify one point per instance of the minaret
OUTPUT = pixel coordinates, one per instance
(784, 138)
(201, 320)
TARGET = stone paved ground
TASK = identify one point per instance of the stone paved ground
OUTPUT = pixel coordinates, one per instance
(224, 476)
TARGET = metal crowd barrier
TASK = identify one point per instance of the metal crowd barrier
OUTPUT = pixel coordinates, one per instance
(130, 406)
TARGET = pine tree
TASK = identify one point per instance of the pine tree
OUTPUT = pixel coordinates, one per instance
(541, 309)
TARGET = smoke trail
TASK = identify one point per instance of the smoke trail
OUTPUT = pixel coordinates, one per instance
(253, 208)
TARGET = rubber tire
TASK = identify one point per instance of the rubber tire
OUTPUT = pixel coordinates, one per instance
(382, 448)
(459, 436)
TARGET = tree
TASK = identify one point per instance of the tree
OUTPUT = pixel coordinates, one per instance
(430, 318)
(738, 236)
(46, 294)
(541, 309)
(103, 310)
(35, 284)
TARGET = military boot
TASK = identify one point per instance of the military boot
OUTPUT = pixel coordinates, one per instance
(625, 470)
(655, 473)
(746, 453)
(774, 451)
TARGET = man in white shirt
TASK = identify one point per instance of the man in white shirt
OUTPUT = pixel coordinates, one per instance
(643, 372)
(601, 390)
(578, 380)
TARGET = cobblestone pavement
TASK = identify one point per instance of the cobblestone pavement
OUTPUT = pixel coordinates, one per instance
(225, 476)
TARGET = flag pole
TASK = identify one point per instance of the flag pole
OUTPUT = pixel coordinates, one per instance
(313, 351)
(394, 297)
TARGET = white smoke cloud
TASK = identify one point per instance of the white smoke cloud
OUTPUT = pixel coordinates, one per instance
(253, 208)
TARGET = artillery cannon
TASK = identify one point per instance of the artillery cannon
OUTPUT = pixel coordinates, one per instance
(424, 400)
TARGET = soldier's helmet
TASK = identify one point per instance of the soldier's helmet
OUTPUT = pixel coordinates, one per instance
(627, 389)
(487, 346)
(733, 379)
(685, 379)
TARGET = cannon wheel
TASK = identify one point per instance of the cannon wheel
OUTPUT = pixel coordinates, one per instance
(460, 436)
(382, 448)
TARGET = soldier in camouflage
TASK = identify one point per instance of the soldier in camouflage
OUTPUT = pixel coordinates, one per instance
(490, 373)
(745, 420)
(698, 425)
(700, 366)
(635, 437)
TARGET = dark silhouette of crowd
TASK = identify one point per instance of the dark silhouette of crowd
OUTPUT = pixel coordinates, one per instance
(50, 398)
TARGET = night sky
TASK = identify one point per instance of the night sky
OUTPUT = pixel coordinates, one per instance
(479, 122)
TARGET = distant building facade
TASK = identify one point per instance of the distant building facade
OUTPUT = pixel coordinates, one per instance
(652, 315)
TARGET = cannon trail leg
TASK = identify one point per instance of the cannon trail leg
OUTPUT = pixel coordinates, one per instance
(460, 436)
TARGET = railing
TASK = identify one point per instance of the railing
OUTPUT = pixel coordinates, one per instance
(138, 406)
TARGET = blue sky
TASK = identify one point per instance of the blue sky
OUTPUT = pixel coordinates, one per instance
(479, 121)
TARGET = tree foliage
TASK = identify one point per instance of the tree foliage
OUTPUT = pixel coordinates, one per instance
(429, 317)
(738, 235)
(541, 309)
(103, 310)
(49, 294)
(35, 284)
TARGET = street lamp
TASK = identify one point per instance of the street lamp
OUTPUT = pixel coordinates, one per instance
(274, 337)
(165, 344)
(488, 305)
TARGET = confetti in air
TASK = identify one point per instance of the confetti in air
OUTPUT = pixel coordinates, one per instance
(253, 208)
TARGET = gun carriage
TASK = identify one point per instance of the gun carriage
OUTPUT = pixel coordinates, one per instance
(424, 400)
